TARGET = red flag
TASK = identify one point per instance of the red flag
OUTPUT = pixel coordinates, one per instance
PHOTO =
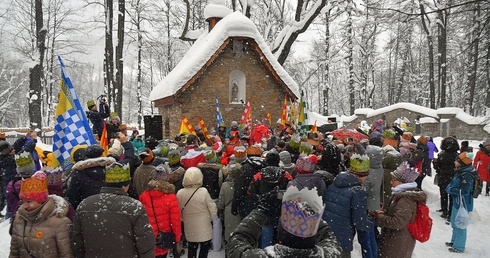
(284, 113)
(204, 128)
(247, 116)
(104, 141)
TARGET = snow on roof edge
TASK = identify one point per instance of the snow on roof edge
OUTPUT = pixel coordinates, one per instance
(233, 25)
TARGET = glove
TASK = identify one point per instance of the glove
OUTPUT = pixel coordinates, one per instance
(269, 203)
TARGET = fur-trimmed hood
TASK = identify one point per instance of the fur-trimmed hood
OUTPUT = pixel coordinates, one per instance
(416, 195)
(54, 206)
(95, 162)
(161, 186)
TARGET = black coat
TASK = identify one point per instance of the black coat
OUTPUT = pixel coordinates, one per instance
(88, 179)
(96, 118)
(242, 203)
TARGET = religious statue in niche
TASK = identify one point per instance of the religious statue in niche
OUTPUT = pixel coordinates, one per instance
(234, 92)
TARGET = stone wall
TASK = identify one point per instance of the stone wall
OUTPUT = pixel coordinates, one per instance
(263, 92)
(447, 124)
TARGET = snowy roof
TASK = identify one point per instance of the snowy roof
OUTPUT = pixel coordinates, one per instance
(409, 106)
(428, 120)
(232, 25)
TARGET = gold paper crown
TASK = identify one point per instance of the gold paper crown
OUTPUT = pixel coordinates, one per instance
(117, 173)
(359, 164)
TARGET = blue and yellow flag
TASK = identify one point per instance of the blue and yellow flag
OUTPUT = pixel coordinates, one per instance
(71, 126)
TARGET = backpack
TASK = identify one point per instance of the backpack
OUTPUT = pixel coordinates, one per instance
(477, 184)
(421, 227)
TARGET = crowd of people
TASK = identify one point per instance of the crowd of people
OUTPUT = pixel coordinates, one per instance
(255, 192)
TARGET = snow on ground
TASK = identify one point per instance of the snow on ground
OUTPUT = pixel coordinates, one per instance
(476, 244)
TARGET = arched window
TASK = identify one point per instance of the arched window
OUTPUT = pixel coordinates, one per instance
(237, 87)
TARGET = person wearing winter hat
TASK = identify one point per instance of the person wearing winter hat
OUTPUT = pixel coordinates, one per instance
(137, 142)
(198, 210)
(163, 210)
(113, 124)
(225, 199)
(97, 116)
(2, 137)
(482, 163)
(177, 171)
(396, 240)
(420, 160)
(306, 164)
(240, 153)
(42, 228)
(243, 203)
(264, 181)
(445, 170)
(88, 175)
(301, 231)
(461, 188)
(212, 178)
(287, 163)
(346, 203)
(142, 173)
(125, 231)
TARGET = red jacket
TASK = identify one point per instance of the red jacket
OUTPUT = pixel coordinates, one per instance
(480, 163)
(166, 208)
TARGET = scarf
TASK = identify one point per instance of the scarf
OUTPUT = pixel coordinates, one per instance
(403, 187)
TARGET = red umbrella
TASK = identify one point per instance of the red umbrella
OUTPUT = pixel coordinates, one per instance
(345, 134)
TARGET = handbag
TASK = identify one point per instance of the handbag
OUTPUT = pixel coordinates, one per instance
(164, 240)
(462, 219)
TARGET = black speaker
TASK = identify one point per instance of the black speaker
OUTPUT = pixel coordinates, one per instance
(153, 127)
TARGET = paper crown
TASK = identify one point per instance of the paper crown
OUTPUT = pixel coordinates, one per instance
(117, 173)
(210, 154)
(24, 162)
(240, 152)
(301, 211)
(173, 157)
(34, 188)
(359, 164)
(54, 176)
(305, 148)
(253, 151)
(404, 173)
(114, 114)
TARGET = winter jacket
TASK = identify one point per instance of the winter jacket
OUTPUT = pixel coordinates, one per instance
(391, 161)
(97, 117)
(432, 149)
(421, 154)
(176, 176)
(200, 209)
(463, 183)
(191, 157)
(112, 224)
(346, 209)
(88, 179)
(12, 195)
(265, 181)
(7, 168)
(444, 166)
(243, 203)
(28, 144)
(309, 181)
(211, 178)
(138, 145)
(43, 232)
(224, 203)
(481, 162)
(112, 130)
(374, 180)
(162, 206)
(142, 176)
(396, 241)
(246, 237)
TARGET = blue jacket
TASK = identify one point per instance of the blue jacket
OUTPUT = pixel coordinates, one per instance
(463, 183)
(346, 209)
